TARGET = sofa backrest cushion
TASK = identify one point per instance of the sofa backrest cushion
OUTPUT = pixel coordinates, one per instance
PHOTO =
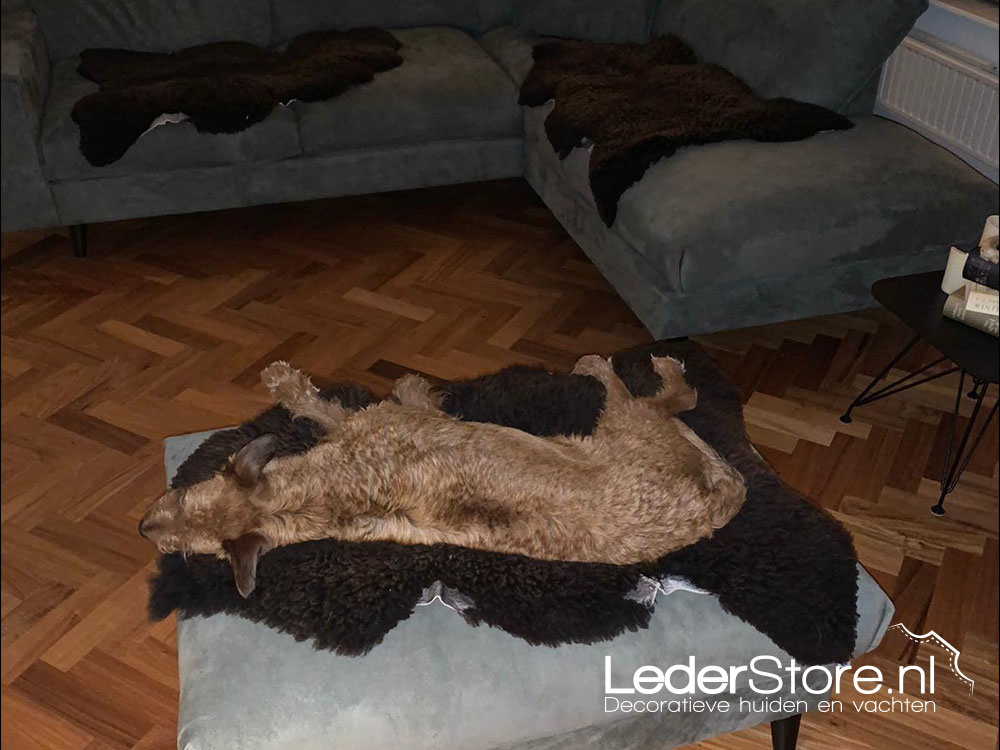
(597, 20)
(69, 26)
(292, 17)
(819, 51)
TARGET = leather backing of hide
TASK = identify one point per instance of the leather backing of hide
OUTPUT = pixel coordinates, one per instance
(638, 103)
(224, 87)
(781, 564)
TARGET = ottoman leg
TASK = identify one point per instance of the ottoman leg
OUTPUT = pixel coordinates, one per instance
(785, 732)
(78, 240)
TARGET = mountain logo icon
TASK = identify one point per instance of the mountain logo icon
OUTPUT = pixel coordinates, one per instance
(953, 653)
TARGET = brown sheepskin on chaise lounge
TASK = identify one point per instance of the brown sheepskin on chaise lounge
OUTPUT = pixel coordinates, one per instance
(638, 103)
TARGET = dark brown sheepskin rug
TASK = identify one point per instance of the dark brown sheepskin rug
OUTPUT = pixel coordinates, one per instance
(638, 103)
(223, 87)
(781, 564)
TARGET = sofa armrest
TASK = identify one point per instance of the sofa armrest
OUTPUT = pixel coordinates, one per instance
(27, 200)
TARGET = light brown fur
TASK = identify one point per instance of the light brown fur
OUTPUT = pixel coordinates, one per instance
(641, 486)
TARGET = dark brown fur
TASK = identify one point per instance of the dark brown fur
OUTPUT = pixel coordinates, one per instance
(639, 103)
(223, 87)
(781, 564)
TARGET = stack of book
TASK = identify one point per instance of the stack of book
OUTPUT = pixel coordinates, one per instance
(977, 303)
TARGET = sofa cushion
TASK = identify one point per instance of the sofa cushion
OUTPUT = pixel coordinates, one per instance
(293, 17)
(597, 20)
(150, 25)
(167, 147)
(511, 47)
(819, 51)
(741, 210)
(447, 88)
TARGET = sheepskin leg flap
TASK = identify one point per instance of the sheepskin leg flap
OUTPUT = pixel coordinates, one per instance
(634, 104)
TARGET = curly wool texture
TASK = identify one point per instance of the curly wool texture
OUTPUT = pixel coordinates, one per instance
(222, 88)
(782, 565)
(639, 103)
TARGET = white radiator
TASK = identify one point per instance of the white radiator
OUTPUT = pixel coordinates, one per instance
(947, 95)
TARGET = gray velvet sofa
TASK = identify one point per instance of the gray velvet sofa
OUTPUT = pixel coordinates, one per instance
(716, 237)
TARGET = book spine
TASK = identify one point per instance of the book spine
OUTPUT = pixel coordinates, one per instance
(954, 308)
(981, 271)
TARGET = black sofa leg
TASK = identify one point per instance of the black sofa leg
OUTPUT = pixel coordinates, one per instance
(785, 732)
(78, 239)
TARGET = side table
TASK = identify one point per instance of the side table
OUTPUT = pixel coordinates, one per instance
(917, 300)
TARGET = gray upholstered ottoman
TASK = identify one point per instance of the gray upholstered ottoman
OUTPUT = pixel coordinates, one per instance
(437, 682)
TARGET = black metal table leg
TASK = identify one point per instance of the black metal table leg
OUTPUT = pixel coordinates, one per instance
(897, 386)
(955, 460)
(952, 470)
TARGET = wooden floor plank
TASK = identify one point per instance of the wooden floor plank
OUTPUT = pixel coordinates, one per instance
(165, 327)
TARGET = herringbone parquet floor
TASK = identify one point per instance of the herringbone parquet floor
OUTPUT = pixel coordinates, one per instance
(165, 328)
